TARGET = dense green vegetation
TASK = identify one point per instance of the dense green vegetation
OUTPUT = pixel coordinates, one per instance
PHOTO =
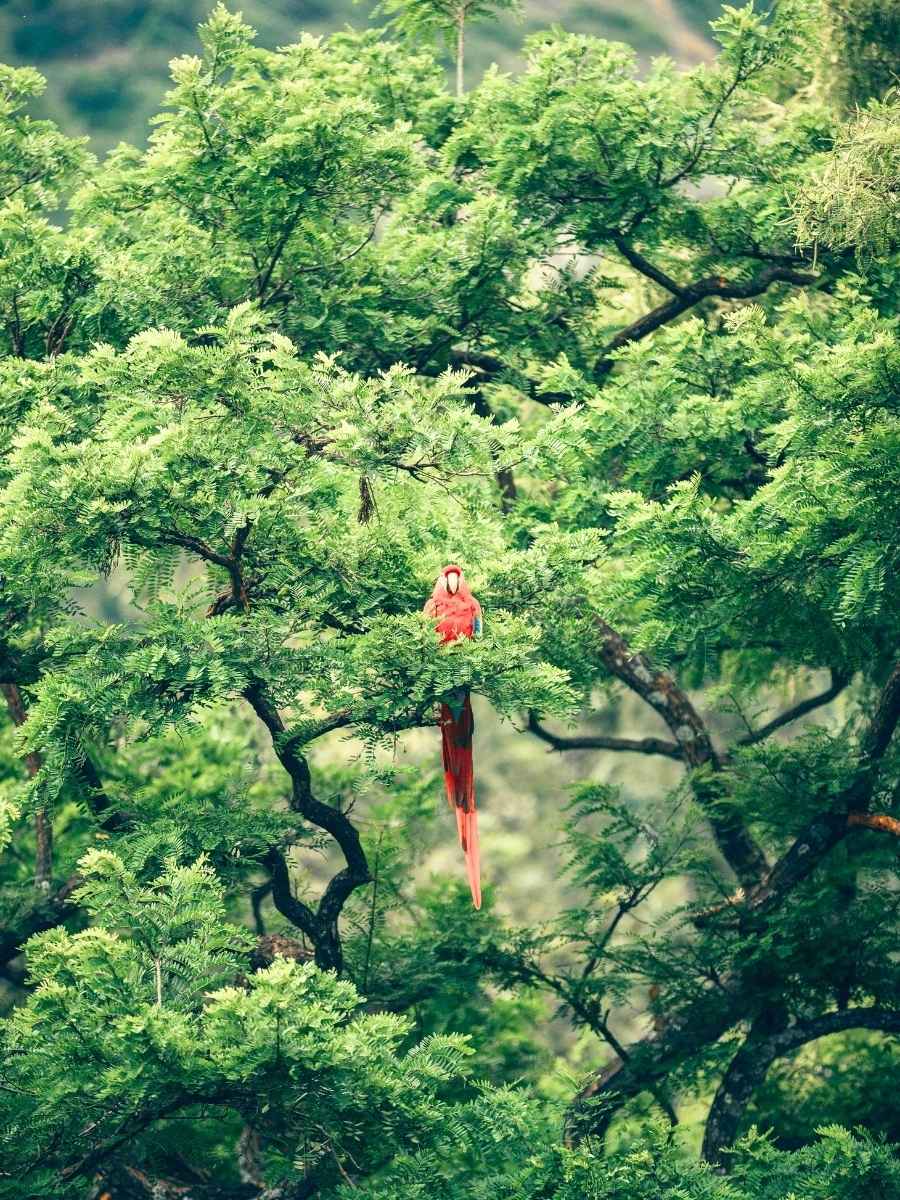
(107, 60)
(624, 343)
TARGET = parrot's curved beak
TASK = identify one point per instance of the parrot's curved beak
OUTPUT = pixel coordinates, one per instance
(452, 582)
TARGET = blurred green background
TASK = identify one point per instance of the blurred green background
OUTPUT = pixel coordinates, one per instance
(107, 60)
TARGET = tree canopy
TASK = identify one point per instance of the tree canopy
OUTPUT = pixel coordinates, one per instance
(624, 344)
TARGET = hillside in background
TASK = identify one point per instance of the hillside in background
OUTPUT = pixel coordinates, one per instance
(107, 60)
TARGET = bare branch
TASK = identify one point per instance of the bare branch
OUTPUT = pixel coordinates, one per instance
(230, 562)
(649, 745)
(838, 683)
(690, 296)
(644, 267)
(320, 926)
(880, 821)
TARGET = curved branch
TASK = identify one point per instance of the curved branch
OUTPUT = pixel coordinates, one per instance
(751, 1064)
(645, 1065)
(690, 296)
(414, 719)
(230, 563)
(823, 832)
(838, 683)
(644, 267)
(648, 745)
(320, 926)
(717, 1010)
(683, 299)
(283, 897)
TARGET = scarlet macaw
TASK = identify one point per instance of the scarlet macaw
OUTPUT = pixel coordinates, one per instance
(458, 614)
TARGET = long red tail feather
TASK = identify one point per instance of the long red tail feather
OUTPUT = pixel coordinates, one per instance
(459, 780)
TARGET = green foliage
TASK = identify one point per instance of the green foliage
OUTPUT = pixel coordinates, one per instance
(623, 342)
(861, 53)
(424, 18)
(852, 201)
(107, 60)
(135, 1018)
(844, 1080)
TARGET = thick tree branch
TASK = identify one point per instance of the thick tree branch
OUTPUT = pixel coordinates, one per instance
(881, 821)
(645, 1065)
(823, 832)
(230, 562)
(644, 267)
(320, 926)
(660, 690)
(414, 719)
(492, 367)
(692, 295)
(648, 745)
(750, 1065)
(283, 897)
(131, 1127)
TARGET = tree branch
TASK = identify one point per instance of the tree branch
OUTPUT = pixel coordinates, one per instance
(838, 683)
(647, 1063)
(648, 745)
(750, 1065)
(823, 832)
(644, 267)
(691, 295)
(320, 926)
(230, 562)
(660, 690)
(683, 299)
(881, 821)
(717, 1009)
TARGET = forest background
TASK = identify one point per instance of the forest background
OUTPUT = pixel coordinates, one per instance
(669, 466)
(107, 61)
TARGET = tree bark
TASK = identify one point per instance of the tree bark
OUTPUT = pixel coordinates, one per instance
(750, 1065)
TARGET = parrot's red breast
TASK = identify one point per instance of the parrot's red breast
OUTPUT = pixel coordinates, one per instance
(457, 615)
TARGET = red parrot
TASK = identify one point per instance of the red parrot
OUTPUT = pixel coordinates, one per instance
(458, 614)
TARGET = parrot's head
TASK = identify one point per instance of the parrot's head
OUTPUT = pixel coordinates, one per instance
(452, 577)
